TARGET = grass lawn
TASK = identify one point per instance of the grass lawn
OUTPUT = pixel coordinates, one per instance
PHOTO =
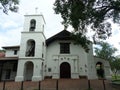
(118, 77)
(117, 81)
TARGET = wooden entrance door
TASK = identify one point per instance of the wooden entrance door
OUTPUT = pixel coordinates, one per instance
(65, 70)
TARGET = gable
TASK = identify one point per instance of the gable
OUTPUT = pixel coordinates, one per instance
(63, 35)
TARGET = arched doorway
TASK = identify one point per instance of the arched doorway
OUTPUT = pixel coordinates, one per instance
(100, 70)
(65, 70)
(28, 73)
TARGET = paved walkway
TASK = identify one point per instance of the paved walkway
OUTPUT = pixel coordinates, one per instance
(63, 84)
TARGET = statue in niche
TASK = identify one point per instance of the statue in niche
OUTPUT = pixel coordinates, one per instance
(30, 49)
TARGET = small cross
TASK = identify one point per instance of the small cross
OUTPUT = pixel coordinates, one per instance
(36, 9)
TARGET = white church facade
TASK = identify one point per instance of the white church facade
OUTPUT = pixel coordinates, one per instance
(38, 58)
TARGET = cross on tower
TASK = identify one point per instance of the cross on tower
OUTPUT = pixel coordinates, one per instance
(36, 10)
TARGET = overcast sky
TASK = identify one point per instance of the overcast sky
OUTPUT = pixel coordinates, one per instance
(11, 25)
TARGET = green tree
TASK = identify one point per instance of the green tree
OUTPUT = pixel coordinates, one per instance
(9, 5)
(94, 13)
(115, 66)
(105, 51)
(2, 50)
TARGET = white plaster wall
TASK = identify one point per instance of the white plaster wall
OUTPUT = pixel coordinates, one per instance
(10, 53)
(50, 51)
(91, 64)
(78, 50)
(75, 50)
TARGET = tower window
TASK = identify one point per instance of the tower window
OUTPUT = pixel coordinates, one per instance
(42, 55)
(32, 25)
(49, 69)
(64, 48)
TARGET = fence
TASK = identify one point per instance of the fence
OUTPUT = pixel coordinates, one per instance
(56, 85)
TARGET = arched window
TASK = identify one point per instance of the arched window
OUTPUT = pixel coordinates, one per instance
(32, 25)
(30, 51)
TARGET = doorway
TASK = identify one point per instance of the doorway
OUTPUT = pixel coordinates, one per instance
(28, 71)
(65, 70)
(100, 70)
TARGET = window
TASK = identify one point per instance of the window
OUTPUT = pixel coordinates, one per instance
(42, 55)
(64, 48)
(32, 25)
(15, 52)
(49, 69)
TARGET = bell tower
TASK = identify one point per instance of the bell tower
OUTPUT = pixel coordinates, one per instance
(32, 49)
(33, 36)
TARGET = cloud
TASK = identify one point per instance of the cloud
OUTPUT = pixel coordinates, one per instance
(11, 25)
(53, 21)
(10, 28)
(10, 37)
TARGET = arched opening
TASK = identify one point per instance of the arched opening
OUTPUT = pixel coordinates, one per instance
(65, 70)
(28, 71)
(30, 51)
(100, 70)
(32, 25)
